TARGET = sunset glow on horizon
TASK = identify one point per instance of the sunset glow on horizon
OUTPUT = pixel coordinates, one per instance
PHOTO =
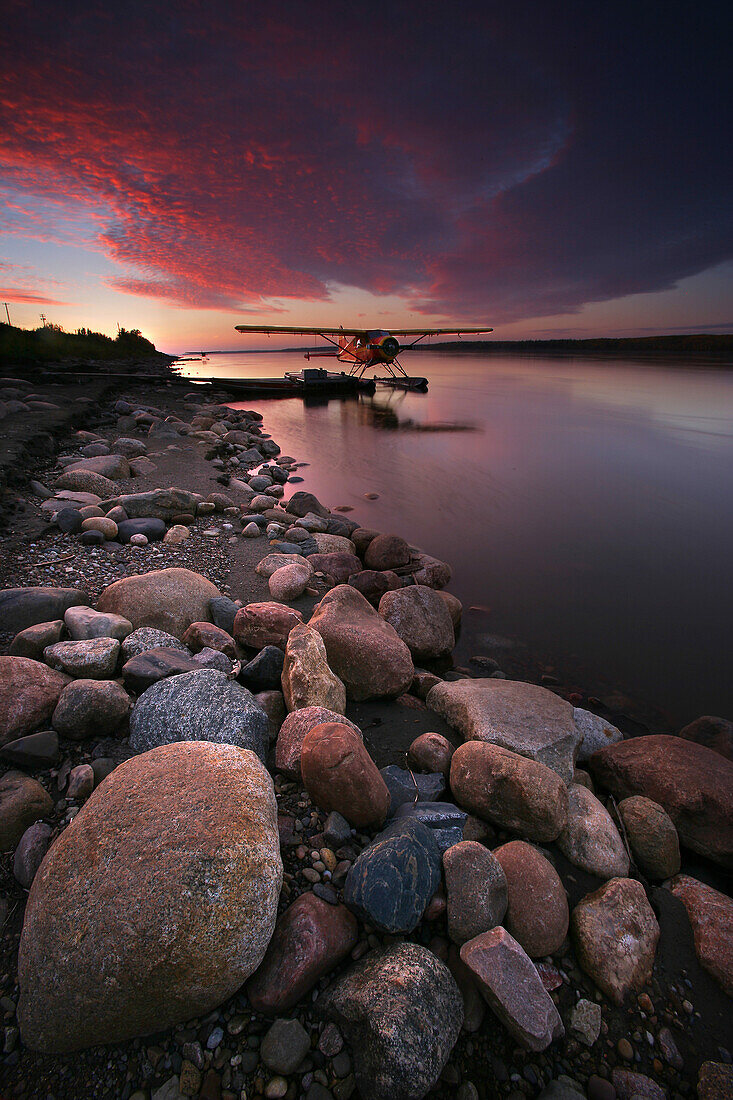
(183, 172)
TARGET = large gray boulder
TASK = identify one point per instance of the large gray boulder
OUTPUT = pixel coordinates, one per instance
(158, 503)
(156, 903)
(198, 706)
(523, 718)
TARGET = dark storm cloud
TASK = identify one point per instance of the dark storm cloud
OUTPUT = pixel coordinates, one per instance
(488, 161)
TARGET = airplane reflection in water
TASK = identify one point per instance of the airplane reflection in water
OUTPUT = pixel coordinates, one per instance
(384, 414)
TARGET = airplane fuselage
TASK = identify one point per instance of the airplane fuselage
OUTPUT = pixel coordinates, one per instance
(374, 346)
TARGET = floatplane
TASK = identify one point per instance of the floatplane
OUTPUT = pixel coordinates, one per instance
(360, 350)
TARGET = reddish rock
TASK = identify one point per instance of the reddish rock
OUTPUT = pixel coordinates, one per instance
(22, 802)
(339, 774)
(386, 552)
(694, 784)
(455, 607)
(90, 707)
(421, 618)
(423, 683)
(361, 537)
(292, 734)
(714, 733)
(431, 752)
(509, 790)
(170, 873)
(711, 917)
(616, 934)
(363, 650)
(310, 939)
(289, 582)
(635, 1086)
(261, 624)
(652, 836)
(511, 986)
(476, 890)
(474, 1006)
(32, 641)
(207, 636)
(372, 584)
(537, 907)
(590, 839)
(29, 692)
(339, 564)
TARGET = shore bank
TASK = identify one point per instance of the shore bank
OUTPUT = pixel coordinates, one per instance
(674, 1017)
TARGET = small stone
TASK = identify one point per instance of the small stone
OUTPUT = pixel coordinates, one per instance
(476, 890)
(585, 1021)
(29, 854)
(81, 782)
(285, 1046)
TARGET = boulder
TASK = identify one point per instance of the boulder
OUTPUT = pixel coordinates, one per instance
(89, 708)
(430, 571)
(386, 552)
(290, 581)
(363, 650)
(264, 672)
(431, 752)
(509, 790)
(130, 448)
(615, 934)
(421, 618)
(198, 706)
(292, 734)
(22, 802)
(207, 636)
(476, 890)
(22, 607)
(273, 562)
(35, 750)
(635, 1086)
(273, 704)
(307, 680)
(714, 733)
(261, 624)
(145, 638)
(339, 774)
(392, 881)
(711, 917)
(455, 607)
(153, 529)
(284, 1046)
(110, 466)
(167, 599)
(87, 481)
(29, 854)
(83, 623)
(523, 718)
(692, 783)
(157, 503)
(139, 673)
(328, 543)
(106, 527)
(29, 691)
(445, 821)
(595, 732)
(310, 939)
(372, 584)
(406, 787)
(590, 840)
(401, 1012)
(537, 908)
(93, 659)
(223, 612)
(32, 641)
(300, 504)
(652, 836)
(715, 1081)
(511, 986)
(339, 565)
(170, 873)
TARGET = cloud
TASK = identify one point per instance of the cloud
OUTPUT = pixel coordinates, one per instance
(17, 294)
(487, 163)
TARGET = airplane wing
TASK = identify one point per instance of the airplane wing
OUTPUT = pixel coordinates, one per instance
(301, 331)
(437, 331)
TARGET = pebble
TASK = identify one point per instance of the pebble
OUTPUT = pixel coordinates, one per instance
(625, 1049)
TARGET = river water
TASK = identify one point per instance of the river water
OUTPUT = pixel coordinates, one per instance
(584, 504)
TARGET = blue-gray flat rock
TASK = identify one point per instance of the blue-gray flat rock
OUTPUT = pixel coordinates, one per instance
(444, 820)
(402, 787)
(35, 750)
(198, 706)
(156, 664)
(223, 611)
(264, 672)
(153, 529)
(393, 880)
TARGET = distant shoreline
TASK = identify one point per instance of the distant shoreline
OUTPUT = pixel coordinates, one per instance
(707, 346)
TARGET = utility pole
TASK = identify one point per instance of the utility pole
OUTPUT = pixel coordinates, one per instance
(7, 311)
(43, 319)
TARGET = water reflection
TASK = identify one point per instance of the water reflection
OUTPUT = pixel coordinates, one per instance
(588, 507)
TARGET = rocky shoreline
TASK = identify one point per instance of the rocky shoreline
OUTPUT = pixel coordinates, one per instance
(221, 880)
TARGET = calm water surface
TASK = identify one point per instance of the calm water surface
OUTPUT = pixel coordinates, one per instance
(585, 503)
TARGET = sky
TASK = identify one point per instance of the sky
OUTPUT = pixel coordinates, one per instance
(549, 169)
